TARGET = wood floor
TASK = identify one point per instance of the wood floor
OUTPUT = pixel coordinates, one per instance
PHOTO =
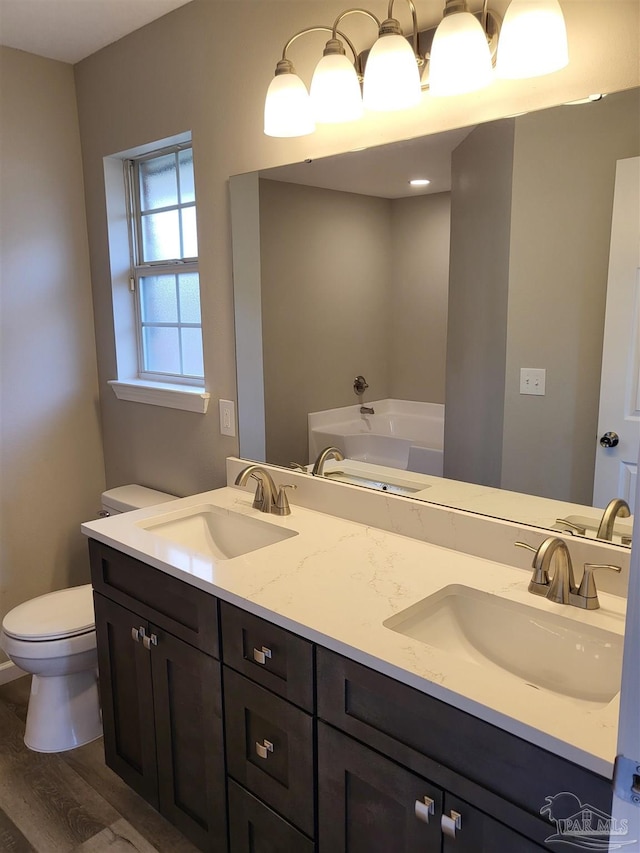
(55, 803)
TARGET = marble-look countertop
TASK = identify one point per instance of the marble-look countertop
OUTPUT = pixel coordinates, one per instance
(337, 581)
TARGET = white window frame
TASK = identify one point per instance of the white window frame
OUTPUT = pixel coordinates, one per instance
(132, 383)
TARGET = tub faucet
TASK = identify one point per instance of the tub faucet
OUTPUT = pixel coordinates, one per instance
(367, 410)
(616, 507)
(265, 497)
(318, 468)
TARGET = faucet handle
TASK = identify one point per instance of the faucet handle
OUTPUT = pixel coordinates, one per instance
(282, 502)
(258, 500)
(539, 583)
(587, 592)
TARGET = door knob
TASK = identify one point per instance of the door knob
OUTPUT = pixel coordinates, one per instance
(610, 439)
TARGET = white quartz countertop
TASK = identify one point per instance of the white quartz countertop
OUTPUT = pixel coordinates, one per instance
(337, 581)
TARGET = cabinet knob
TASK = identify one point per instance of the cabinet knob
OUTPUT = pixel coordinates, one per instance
(424, 809)
(263, 749)
(260, 655)
(149, 641)
(450, 823)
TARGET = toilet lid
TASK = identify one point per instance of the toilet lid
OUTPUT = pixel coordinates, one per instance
(65, 613)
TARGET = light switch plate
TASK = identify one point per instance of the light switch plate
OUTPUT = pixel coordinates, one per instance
(227, 417)
(532, 380)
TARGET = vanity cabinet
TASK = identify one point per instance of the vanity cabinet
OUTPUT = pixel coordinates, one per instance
(318, 753)
(160, 689)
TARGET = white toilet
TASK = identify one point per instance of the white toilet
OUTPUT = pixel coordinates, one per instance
(54, 638)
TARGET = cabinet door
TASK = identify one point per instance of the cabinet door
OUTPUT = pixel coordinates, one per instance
(465, 829)
(127, 698)
(189, 739)
(368, 804)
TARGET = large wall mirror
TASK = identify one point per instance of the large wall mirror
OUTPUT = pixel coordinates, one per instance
(474, 307)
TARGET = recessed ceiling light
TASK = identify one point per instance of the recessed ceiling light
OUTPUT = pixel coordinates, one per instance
(419, 182)
(590, 99)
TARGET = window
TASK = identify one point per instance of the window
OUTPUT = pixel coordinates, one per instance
(164, 265)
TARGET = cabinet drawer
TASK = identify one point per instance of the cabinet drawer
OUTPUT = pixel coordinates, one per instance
(490, 768)
(254, 827)
(183, 610)
(275, 658)
(270, 748)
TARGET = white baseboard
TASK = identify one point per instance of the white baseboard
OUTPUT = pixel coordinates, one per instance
(9, 672)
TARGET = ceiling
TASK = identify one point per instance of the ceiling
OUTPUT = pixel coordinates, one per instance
(383, 171)
(70, 30)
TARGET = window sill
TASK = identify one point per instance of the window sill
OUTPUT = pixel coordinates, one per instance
(187, 398)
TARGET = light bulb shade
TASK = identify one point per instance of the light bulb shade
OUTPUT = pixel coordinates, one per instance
(391, 77)
(460, 57)
(287, 108)
(335, 90)
(533, 40)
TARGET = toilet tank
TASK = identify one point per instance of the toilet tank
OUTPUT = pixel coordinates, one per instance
(125, 498)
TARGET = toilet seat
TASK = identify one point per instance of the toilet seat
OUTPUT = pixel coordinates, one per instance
(55, 616)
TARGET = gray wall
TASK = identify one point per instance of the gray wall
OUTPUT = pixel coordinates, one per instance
(326, 265)
(51, 468)
(478, 295)
(420, 229)
(540, 265)
(350, 285)
(563, 179)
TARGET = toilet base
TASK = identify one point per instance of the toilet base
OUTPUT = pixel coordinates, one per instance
(64, 712)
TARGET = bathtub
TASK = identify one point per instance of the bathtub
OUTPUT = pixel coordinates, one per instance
(399, 434)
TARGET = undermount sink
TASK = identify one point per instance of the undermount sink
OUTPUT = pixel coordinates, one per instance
(545, 651)
(215, 532)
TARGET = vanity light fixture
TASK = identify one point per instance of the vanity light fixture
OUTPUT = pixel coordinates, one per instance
(419, 182)
(459, 54)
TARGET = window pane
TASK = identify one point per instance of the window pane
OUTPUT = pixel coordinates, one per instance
(189, 234)
(160, 236)
(161, 349)
(158, 299)
(192, 363)
(158, 182)
(187, 189)
(189, 287)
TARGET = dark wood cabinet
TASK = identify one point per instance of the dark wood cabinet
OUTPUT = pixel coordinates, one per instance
(162, 717)
(317, 754)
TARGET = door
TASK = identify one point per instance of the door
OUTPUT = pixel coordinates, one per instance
(368, 804)
(189, 739)
(616, 466)
(466, 829)
(126, 695)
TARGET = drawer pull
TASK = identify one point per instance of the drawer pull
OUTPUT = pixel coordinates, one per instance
(263, 749)
(147, 642)
(449, 823)
(425, 809)
(137, 634)
(261, 655)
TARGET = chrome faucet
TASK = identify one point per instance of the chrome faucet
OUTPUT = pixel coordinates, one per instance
(616, 507)
(318, 468)
(553, 553)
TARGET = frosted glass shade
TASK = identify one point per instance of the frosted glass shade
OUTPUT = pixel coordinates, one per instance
(287, 108)
(391, 77)
(335, 90)
(460, 57)
(533, 40)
